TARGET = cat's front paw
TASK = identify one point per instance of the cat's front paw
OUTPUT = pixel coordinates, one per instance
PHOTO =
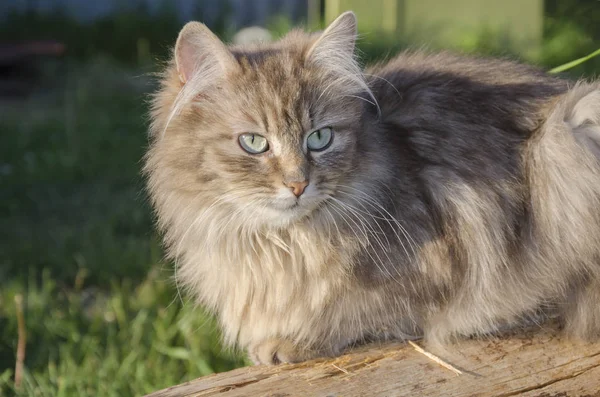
(277, 351)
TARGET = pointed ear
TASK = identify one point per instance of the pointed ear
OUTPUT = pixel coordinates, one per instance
(338, 40)
(198, 49)
(333, 53)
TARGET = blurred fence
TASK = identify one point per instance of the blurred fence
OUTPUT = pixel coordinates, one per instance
(450, 21)
(444, 22)
(239, 12)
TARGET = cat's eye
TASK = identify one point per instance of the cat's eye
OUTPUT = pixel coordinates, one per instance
(253, 143)
(319, 139)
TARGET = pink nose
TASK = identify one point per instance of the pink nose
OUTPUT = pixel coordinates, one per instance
(297, 187)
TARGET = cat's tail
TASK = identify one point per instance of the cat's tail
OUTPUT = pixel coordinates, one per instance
(562, 163)
(580, 107)
(564, 174)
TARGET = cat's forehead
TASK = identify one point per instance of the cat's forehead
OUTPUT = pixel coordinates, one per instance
(272, 89)
(270, 64)
(258, 55)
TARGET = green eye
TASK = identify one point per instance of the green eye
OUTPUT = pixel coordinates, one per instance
(320, 139)
(253, 143)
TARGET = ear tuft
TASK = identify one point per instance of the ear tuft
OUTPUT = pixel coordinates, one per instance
(198, 49)
(339, 38)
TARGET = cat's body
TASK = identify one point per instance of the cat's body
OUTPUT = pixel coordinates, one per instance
(456, 196)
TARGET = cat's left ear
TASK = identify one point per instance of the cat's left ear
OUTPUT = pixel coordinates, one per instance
(337, 42)
(198, 50)
(333, 53)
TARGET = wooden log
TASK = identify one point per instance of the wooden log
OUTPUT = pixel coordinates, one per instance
(541, 363)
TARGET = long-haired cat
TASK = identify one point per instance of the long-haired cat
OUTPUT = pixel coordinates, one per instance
(311, 204)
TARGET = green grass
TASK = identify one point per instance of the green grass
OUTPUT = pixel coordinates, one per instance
(126, 340)
(575, 63)
(77, 243)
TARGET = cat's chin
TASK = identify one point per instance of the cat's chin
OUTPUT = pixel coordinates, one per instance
(283, 214)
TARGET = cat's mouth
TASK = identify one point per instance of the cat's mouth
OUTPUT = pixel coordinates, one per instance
(284, 208)
(294, 209)
(287, 205)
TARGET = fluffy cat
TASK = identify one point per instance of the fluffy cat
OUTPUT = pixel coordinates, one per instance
(312, 204)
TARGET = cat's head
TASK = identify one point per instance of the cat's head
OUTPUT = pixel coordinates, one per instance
(271, 129)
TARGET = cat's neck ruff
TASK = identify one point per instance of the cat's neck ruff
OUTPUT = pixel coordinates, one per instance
(235, 268)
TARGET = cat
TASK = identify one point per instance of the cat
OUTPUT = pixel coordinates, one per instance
(311, 204)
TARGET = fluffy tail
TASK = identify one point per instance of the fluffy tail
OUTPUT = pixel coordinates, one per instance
(574, 216)
(583, 115)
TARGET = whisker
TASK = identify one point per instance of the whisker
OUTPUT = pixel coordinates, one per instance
(387, 81)
(352, 78)
(365, 243)
(378, 207)
(373, 233)
(374, 203)
(361, 98)
(368, 214)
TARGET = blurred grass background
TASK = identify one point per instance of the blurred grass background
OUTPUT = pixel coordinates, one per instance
(77, 244)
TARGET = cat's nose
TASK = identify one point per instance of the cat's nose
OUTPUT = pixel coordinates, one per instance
(297, 187)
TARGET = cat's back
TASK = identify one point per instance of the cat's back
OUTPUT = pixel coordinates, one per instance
(459, 117)
(461, 83)
(422, 66)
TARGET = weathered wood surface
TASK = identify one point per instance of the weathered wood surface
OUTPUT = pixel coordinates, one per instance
(539, 363)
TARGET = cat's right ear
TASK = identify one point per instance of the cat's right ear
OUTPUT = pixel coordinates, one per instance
(198, 50)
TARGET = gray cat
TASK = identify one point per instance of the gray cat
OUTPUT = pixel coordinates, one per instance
(312, 204)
